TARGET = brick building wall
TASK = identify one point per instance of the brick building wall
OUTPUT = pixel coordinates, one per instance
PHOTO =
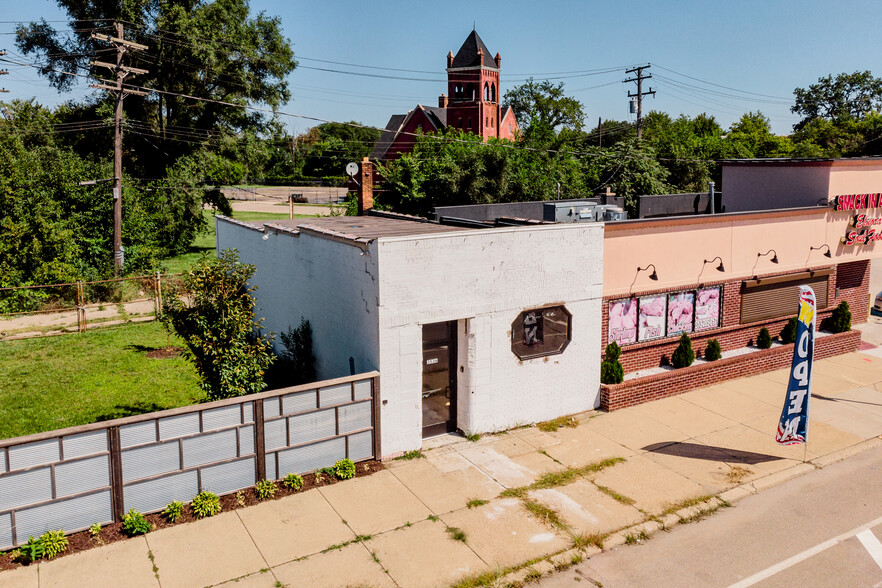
(849, 282)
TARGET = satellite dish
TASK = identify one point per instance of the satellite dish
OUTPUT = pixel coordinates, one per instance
(352, 168)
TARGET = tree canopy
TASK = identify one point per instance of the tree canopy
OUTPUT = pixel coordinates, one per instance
(838, 99)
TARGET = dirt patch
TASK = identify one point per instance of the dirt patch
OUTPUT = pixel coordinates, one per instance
(164, 352)
(112, 533)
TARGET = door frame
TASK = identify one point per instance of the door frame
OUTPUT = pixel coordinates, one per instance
(448, 426)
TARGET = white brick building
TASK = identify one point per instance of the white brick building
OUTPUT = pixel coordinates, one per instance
(465, 326)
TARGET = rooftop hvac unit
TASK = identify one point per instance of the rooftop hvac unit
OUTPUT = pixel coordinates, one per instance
(615, 213)
(569, 212)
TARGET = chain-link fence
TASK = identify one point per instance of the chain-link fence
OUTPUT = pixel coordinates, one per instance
(36, 311)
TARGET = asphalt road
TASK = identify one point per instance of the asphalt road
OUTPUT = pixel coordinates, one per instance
(822, 529)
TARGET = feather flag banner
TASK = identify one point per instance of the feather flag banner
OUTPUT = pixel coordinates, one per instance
(793, 424)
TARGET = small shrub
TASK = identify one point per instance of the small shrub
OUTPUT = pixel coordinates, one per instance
(345, 469)
(54, 543)
(329, 472)
(319, 477)
(32, 550)
(840, 320)
(683, 355)
(205, 504)
(95, 530)
(611, 370)
(713, 352)
(788, 333)
(240, 498)
(265, 489)
(764, 339)
(293, 482)
(173, 511)
(134, 523)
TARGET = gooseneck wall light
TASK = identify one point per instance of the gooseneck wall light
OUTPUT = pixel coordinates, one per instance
(652, 276)
(720, 268)
(758, 255)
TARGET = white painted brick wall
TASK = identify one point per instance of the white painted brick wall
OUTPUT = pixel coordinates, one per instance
(331, 284)
(488, 278)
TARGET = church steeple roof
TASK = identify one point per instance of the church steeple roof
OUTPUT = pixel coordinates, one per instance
(473, 53)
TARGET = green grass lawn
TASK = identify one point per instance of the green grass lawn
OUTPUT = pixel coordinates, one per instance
(205, 242)
(55, 382)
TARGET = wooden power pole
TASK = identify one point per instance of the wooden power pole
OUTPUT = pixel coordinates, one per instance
(121, 71)
(3, 72)
(640, 93)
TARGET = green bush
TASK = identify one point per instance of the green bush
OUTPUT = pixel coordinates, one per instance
(611, 370)
(134, 523)
(345, 469)
(683, 355)
(265, 489)
(32, 550)
(95, 529)
(174, 511)
(764, 339)
(713, 351)
(205, 504)
(788, 333)
(840, 321)
(54, 543)
(292, 482)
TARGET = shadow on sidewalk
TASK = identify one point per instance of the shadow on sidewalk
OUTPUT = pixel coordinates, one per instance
(709, 452)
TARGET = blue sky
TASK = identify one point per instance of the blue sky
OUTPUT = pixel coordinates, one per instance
(756, 47)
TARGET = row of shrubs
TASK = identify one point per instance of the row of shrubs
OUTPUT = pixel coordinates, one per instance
(612, 372)
(205, 504)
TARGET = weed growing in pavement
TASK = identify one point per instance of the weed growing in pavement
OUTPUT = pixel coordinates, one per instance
(134, 523)
(292, 482)
(205, 504)
(432, 518)
(357, 539)
(265, 489)
(415, 454)
(738, 473)
(532, 575)
(555, 424)
(480, 580)
(375, 556)
(344, 469)
(473, 437)
(545, 453)
(545, 514)
(475, 502)
(686, 504)
(456, 534)
(174, 510)
(584, 540)
(54, 543)
(615, 495)
(561, 478)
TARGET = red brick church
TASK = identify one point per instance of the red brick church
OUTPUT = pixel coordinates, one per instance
(471, 104)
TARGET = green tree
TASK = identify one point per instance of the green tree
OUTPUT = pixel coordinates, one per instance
(214, 314)
(846, 96)
(545, 115)
(751, 136)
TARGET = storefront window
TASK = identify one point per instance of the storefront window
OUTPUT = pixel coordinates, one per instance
(540, 331)
(623, 321)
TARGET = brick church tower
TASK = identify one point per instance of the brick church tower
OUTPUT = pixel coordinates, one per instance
(472, 99)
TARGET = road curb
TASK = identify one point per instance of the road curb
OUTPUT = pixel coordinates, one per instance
(831, 458)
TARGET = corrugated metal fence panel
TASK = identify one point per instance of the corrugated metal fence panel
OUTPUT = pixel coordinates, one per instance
(209, 447)
(228, 477)
(312, 426)
(246, 440)
(83, 475)
(335, 395)
(25, 488)
(73, 514)
(178, 426)
(154, 495)
(271, 473)
(354, 417)
(137, 434)
(299, 402)
(151, 460)
(6, 540)
(271, 408)
(248, 412)
(274, 436)
(221, 418)
(363, 389)
(361, 446)
(84, 444)
(33, 454)
(312, 457)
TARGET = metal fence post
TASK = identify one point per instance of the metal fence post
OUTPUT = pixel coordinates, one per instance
(116, 480)
(259, 446)
(81, 307)
(375, 402)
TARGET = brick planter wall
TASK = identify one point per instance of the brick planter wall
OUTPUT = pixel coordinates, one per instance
(655, 387)
(849, 282)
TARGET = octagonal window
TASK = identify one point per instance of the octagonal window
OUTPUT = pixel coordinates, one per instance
(541, 331)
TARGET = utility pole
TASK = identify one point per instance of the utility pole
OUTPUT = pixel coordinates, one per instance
(640, 93)
(122, 46)
(599, 132)
(3, 72)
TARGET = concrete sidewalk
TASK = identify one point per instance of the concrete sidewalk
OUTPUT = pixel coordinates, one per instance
(424, 522)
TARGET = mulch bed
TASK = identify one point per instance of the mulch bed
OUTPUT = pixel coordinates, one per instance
(112, 533)
(164, 352)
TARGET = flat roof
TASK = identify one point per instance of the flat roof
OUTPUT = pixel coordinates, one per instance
(831, 161)
(360, 228)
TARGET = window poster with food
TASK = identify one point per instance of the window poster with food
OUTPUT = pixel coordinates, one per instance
(623, 321)
(680, 307)
(651, 323)
(707, 308)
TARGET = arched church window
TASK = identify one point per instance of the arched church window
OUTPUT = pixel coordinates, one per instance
(492, 92)
(486, 92)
